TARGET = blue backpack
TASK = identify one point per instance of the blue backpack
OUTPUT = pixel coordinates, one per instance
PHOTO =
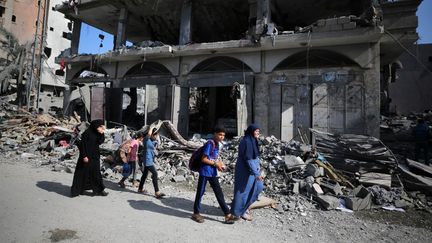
(195, 159)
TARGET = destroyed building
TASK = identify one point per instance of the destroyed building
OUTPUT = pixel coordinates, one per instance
(32, 35)
(286, 65)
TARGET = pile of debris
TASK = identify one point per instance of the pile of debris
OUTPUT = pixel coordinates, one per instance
(346, 172)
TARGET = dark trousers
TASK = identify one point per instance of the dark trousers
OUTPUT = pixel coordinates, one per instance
(418, 148)
(154, 177)
(214, 183)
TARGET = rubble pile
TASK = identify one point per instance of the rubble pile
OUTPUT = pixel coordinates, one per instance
(346, 172)
(19, 127)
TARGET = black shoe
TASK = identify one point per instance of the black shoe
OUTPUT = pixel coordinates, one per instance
(121, 184)
(102, 193)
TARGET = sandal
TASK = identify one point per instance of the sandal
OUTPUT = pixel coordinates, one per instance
(160, 195)
(142, 191)
(230, 219)
(197, 218)
(247, 217)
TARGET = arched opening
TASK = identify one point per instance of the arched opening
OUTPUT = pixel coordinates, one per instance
(315, 59)
(218, 95)
(147, 69)
(145, 94)
(320, 89)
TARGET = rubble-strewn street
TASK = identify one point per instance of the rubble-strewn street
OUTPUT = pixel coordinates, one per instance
(345, 188)
(36, 202)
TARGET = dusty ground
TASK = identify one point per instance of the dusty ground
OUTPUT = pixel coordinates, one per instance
(36, 207)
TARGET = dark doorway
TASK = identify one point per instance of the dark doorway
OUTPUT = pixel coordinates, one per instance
(213, 106)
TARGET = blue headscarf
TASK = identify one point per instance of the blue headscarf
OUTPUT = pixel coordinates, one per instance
(252, 149)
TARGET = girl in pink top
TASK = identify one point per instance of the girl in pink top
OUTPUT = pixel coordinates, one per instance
(130, 151)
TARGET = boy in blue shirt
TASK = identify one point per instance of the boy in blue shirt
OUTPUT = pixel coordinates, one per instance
(210, 164)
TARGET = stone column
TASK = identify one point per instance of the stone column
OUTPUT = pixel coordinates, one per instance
(121, 28)
(76, 33)
(261, 102)
(372, 93)
(263, 15)
(185, 23)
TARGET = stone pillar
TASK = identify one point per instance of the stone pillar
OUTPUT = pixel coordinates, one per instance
(252, 16)
(76, 32)
(66, 99)
(121, 28)
(275, 110)
(185, 23)
(183, 100)
(372, 93)
(263, 15)
(261, 102)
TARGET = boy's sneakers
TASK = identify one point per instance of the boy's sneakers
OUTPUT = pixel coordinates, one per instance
(230, 219)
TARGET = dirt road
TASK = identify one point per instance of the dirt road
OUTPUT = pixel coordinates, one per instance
(36, 207)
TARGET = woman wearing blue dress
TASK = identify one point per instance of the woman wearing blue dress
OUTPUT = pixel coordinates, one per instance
(248, 182)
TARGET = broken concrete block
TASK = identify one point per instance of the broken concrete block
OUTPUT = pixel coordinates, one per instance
(328, 202)
(359, 199)
(267, 140)
(293, 162)
(296, 188)
(333, 186)
(179, 178)
(372, 178)
(28, 155)
(310, 180)
(58, 168)
(108, 172)
(403, 204)
(317, 189)
(312, 170)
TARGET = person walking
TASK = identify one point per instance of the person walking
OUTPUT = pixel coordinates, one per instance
(210, 164)
(248, 183)
(87, 172)
(147, 159)
(129, 151)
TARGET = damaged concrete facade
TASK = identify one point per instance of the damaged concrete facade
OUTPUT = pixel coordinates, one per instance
(286, 65)
(38, 31)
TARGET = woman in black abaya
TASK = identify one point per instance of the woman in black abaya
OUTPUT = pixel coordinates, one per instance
(87, 172)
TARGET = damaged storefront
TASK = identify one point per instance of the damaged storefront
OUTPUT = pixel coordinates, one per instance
(237, 62)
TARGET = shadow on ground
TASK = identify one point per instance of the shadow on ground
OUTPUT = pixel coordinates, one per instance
(54, 187)
(174, 206)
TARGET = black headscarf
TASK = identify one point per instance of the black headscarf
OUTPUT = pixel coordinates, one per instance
(96, 123)
(251, 148)
(96, 137)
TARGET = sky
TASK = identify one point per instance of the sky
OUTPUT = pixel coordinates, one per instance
(90, 41)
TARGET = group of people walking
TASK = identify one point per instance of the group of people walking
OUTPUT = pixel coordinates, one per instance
(248, 182)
